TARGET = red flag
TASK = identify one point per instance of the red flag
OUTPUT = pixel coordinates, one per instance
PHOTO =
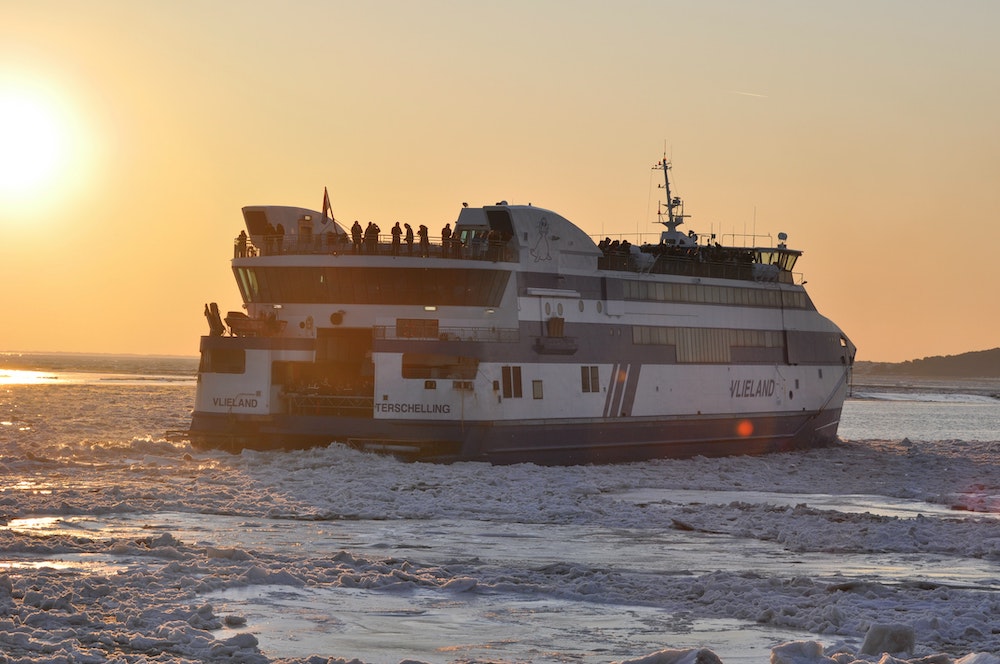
(326, 204)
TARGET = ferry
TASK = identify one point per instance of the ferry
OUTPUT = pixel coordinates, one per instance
(512, 337)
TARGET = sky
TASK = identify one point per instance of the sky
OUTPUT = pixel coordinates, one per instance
(132, 133)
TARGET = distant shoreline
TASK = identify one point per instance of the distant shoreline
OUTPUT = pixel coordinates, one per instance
(75, 353)
(99, 363)
(984, 364)
(863, 380)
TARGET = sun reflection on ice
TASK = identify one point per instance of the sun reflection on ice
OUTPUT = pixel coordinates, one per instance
(28, 485)
(21, 377)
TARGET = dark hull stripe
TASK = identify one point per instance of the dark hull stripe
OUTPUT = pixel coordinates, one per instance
(571, 442)
(631, 385)
(613, 384)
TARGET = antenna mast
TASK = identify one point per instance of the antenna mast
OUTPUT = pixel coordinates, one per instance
(673, 219)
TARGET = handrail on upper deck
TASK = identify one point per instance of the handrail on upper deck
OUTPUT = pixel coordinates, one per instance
(278, 245)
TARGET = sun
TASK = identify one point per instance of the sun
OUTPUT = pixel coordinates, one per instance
(33, 143)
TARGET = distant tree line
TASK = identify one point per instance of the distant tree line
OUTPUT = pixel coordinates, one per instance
(976, 364)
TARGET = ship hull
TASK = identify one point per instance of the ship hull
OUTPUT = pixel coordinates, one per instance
(552, 443)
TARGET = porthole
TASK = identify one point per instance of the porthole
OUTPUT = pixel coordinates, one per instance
(548, 309)
(559, 309)
(580, 303)
(600, 307)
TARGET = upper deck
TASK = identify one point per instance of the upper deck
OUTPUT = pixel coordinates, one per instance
(536, 238)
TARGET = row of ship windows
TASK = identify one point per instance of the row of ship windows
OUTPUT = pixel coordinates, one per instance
(705, 294)
(460, 287)
(705, 344)
(509, 386)
(691, 336)
(388, 286)
(692, 344)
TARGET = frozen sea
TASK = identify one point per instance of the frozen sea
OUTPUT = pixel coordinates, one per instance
(118, 544)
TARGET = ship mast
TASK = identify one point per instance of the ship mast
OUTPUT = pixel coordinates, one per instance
(673, 220)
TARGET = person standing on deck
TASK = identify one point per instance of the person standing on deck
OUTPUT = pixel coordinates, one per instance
(396, 233)
(425, 243)
(269, 238)
(356, 236)
(241, 245)
(371, 238)
(445, 240)
(409, 240)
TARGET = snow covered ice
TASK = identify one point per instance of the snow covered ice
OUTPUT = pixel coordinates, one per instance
(118, 545)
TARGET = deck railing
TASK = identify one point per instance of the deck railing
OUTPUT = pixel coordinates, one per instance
(489, 334)
(329, 404)
(277, 245)
(501, 252)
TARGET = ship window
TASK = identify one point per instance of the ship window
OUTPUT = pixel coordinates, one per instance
(256, 221)
(430, 385)
(536, 389)
(590, 382)
(511, 382)
(500, 221)
(223, 360)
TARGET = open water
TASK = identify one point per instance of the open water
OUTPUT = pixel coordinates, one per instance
(333, 553)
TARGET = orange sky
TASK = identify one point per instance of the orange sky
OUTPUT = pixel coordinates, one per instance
(867, 131)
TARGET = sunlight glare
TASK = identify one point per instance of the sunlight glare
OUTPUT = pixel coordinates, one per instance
(21, 377)
(33, 143)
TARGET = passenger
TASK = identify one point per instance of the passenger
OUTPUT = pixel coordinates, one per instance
(493, 245)
(425, 244)
(445, 240)
(371, 238)
(356, 236)
(397, 232)
(241, 245)
(478, 243)
(279, 233)
(409, 240)
(269, 238)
